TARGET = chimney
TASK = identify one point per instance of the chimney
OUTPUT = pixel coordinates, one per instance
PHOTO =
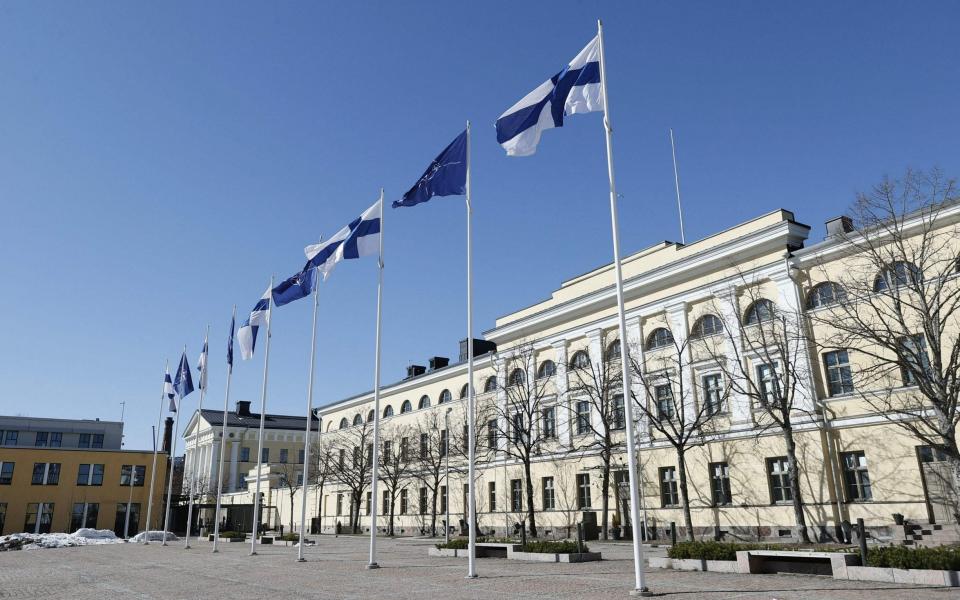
(167, 435)
(839, 226)
(479, 347)
(243, 408)
(438, 362)
(415, 370)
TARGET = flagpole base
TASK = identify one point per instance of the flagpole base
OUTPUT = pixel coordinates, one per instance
(642, 593)
(215, 551)
(187, 547)
(253, 553)
(164, 544)
(473, 576)
(373, 565)
(301, 559)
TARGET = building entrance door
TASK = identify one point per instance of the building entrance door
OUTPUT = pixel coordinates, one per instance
(937, 484)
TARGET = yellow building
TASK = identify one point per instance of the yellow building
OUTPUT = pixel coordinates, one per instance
(57, 476)
(695, 327)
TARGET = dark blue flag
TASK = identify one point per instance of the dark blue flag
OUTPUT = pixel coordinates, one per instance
(183, 382)
(296, 287)
(446, 175)
(233, 320)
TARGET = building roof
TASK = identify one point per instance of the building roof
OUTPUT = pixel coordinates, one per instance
(215, 417)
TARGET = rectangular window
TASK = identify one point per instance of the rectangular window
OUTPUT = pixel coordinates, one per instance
(768, 381)
(3, 516)
(424, 445)
(369, 502)
(356, 457)
(370, 453)
(11, 438)
(404, 452)
(583, 417)
(97, 441)
(492, 495)
(265, 455)
(856, 477)
(6, 474)
(403, 501)
(914, 358)
(516, 495)
(245, 454)
(668, 487)
(466, 436)
(443, 498)
(41, 439)
(83, 475)
(492, 434)
(712, 393)
(300, 478)
(423, 501)
(663, 395)
(444, 442)
(778, 474)
(140, 472)
(519, 433)
(46, 474)
(549, 494)
(84, 515)
(83, 441)
(720, 483)
(583, 491)
(618, 417)
(839, 380)
(387, 451)
(466, 498)
(56, 439)
(39, 517)
(342, 458)
(548, 422)
(300, 456)
(385, 504)
(284, 455)
(121, 523)
(339, 504)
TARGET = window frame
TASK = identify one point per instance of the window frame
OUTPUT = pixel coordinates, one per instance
(837, 376)
(669, 490)
(720, 484)
(779, 480)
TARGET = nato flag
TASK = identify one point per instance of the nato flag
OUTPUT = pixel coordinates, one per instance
(183, 382)
(446, 175)
(294, 288)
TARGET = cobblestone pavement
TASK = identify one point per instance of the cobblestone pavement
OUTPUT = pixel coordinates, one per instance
(336, 569)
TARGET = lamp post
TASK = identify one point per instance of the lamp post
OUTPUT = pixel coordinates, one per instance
(446, 455)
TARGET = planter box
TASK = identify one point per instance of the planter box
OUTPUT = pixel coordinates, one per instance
(517, 555)
(694, 564)
(579, 557)
(232, 540)
(910, 576)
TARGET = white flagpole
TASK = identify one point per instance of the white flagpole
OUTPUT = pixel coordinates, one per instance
(196, 443)
(223, 442)
(263, 410)
(471, 409)
(156, 446)
(173, 454)
(309, 426)
(641, 587)
(126, 519)
(676, 181)
(376, 409)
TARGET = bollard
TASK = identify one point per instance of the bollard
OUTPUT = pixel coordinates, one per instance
(673, 533)
(716, 533)
(580, 537)
(863, 542)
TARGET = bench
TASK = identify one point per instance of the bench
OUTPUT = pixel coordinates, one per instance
(789, 561)
(495, 550)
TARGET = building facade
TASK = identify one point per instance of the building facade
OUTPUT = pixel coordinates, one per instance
(696, 321)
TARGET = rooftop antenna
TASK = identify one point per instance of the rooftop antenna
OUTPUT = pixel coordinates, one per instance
(676, 181)
(123, 408)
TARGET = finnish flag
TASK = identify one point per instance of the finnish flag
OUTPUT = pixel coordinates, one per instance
(202, 366)
(360, 238)
(169, 391)
(247, 334)
(575, 89)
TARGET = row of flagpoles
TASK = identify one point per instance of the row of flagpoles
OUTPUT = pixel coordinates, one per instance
(579, 88)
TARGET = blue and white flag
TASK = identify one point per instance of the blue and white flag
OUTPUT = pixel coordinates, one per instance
(446, 175)
(247, 334)
(183, 382)
(294, 288)
(575, 89)
(169, 391)
(359, 238)
(202, 366)
(233, 321)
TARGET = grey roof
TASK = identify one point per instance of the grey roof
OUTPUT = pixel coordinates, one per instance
(215, 417)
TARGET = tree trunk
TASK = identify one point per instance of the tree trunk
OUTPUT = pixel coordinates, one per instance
(433, 510)
(531, 513)
(794, 473)
(390, 495)
(320, 508)
(292, 509)
(605, 498)
(684, 496)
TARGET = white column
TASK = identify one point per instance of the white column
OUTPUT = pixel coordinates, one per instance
(502, 403)
(596, 350)
(740, 409)
(234, 456)
(635, 343)
(679, 327)
(561, 383)
(213, 465)
(788, 298)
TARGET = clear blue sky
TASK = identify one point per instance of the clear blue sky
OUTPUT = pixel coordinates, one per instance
(158, 161)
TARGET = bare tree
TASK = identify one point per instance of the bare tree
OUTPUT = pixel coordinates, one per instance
(321, 471)
(769, 366)
(395, 465)
(597, 411)
(290, 478)
(485, 452)
(429, 459)
(896, 308)
(671, 406)
(352, 464)
(522, 420)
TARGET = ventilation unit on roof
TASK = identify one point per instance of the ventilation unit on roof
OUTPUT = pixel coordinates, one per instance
(414, 370)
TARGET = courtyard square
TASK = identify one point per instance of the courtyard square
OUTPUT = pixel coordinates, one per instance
(336, 569)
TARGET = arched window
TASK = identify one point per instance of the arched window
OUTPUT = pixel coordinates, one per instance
(344, 423)
(370, 416)
(445, 396)
(580, 360)
(424, 402)
(758, 312)
(659, 338)
(406, 407)
(613, 350)
(388, 411)
(464, 390)
(357, 419)
(546, 369)
(490, 384)
(825, 294)
(898, 273)
(706, 325)
(517, 377)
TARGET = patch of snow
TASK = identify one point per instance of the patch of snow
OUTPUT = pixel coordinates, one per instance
(83, 537)
(95, 534)
(153, 536)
